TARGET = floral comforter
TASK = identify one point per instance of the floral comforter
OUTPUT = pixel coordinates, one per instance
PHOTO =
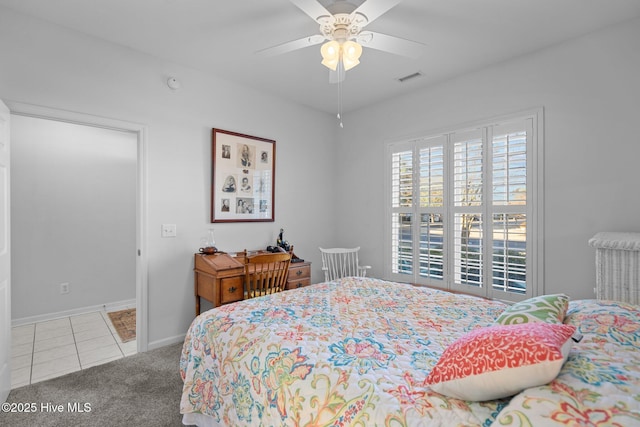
(355, 352)
(599, 385)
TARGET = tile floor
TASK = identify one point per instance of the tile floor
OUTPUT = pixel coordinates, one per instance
(45, 350)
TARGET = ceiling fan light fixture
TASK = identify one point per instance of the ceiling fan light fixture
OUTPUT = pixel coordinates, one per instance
(351, 52)
(330, 54)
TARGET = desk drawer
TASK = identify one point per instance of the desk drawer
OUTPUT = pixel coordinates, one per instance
(294, 284)
(297, 272)
(231, 289)
(299, 275)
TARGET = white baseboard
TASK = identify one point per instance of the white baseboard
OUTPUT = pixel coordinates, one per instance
(112, 306)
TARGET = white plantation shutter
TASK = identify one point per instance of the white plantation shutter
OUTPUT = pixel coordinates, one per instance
(509, 152)
(466, 208)
(402, 195)
(461, 209)
(402, 170)
(510, 144)
(430, 240)
(431, 163)
(468, 165)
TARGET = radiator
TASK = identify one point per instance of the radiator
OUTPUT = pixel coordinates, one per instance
(617, 266)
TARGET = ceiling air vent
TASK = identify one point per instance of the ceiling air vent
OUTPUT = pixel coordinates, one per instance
(409, 77)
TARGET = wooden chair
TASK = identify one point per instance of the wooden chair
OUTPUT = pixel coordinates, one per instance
(341, 262)
(266, 274)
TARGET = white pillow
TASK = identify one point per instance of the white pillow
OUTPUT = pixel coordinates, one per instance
(499, 361)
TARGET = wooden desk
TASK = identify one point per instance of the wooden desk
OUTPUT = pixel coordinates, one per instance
(219, 278)
(299, 275)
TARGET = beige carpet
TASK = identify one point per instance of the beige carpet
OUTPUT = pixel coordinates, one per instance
(125, 323)
(142, 390)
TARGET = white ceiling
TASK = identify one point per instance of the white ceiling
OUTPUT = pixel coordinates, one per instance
(221, 37)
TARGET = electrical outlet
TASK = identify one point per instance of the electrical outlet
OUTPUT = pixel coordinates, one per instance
(64, 288)
(169, 230)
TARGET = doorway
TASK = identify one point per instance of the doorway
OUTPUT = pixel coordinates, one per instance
(102, 207)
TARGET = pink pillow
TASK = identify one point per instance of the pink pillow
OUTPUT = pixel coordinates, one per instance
(502, 360)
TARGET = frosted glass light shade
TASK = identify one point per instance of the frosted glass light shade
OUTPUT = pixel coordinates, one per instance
(330, 54)
(351, 52)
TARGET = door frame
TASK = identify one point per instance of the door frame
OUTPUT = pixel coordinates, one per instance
(5, 253)
(142, 284)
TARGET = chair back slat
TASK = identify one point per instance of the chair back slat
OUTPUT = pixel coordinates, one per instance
(340, 262)
(266, 274)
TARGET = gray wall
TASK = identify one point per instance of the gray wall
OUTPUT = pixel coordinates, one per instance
(47, 65)
(587, 86)
(73, 216)
(590, 91)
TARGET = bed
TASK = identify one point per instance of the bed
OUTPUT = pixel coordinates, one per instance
(368, 352)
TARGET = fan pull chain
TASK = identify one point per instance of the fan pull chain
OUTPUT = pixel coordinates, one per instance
(340, 73)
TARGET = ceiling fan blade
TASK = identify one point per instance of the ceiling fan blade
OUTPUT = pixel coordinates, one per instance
(312, 8)
(391, 44)
(292, 45)
(372, 9)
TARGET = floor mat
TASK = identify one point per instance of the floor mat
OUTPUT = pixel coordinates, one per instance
(125, 323)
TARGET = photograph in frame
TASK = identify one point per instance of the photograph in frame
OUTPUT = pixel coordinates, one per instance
(242, 178)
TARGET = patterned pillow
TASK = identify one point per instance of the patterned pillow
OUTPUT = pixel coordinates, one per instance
(499, 361)
(544, 308)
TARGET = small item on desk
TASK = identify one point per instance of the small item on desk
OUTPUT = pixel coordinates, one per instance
(209, 243)
(210, 250)
(286, 246)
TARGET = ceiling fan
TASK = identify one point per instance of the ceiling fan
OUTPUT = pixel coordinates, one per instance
(341, 28)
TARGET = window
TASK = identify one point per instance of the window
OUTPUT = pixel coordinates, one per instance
(463, 209)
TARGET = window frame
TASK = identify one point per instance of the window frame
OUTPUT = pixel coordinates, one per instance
(534, 204)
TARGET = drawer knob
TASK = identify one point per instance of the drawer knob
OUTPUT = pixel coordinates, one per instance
(299, 272)
(299, 284)
(232, 289)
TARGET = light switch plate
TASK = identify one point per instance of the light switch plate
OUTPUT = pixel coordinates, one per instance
(169, 230)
